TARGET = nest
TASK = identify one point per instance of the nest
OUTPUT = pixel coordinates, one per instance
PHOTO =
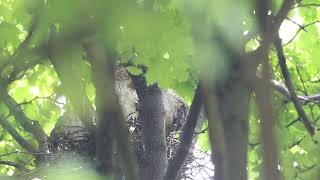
(198, 163)
(70, 139)
(75, 142)
(74, 139)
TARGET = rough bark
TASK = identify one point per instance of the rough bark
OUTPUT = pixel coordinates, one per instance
(233, 107)
(151, 115)
(229, 98)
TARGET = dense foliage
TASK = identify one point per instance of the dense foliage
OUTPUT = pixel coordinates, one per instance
(173, 39)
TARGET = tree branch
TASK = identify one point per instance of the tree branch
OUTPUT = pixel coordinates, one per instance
(216, 132)
(263, 91)
(303, 27)
(281, 15)
(41, 97)
(282, 89)
(65, 67)
(154, 161)
(110, 123)
(291, 88)
(23, 45)
(18, 166)
(315, 98)
(186, 138)
(21, 63)
(306, 5)
(106, 115)
(291, 123)
(24, 58)
(13, 132)
(277, 19)
(31, 126)
(10, 153)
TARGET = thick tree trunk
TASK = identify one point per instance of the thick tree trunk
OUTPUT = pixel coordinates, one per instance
(154, 161)
(233, 104)
(65, 66)
(111, 127)
(227, 106)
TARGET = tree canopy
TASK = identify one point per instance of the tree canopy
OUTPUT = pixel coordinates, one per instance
(254, 56)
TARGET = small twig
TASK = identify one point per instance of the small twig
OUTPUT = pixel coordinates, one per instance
(253, 145)
(296, 34)
(14, 164)
(291, 123)
(194, 79)
(10, 153)
(201, 132)
(300, 26)
(41, 97)
(131, 114)
(306, 5)
(294, 144)
(308, 168)
(302, 81)
(304, 89)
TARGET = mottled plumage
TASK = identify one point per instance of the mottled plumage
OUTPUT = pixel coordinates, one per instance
(69, 128)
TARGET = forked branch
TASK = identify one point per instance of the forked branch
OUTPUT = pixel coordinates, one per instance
(290, 86)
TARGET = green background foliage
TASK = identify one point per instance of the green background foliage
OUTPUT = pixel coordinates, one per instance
(162, 41)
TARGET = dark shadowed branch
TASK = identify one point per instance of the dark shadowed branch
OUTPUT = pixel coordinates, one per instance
(292, 122)
(216, 132)
(18, 166)
(153, 134)
(291, 88)
(110, 123)
(186, 138)
(281, 15)
(106, 115)
(31, 126)
(277, 19)
(13, 132)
